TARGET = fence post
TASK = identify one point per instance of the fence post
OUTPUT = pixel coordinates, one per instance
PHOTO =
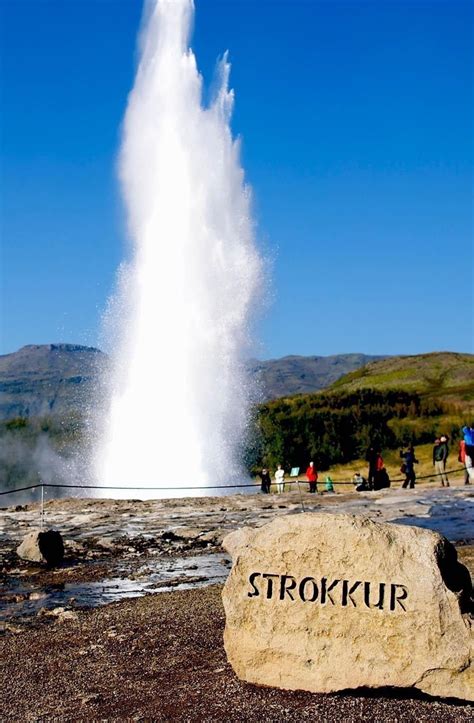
(42, 507)
(301, 497)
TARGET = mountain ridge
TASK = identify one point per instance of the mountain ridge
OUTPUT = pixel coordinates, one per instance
(56, 379)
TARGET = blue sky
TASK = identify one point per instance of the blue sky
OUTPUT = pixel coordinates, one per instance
(356, 120)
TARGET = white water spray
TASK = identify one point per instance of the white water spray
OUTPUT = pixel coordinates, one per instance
(179, 399)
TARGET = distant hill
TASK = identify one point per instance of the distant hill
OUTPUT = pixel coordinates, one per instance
(304, 374)
(47, 380)
(447, 376)
(57, 379)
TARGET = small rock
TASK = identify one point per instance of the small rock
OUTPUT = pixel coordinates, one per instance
(37, 595)
(16, 597)
(44, 547)
(67, 616)
(55, 612)
(73, 547)
(106, 543)
(90, 698)
(213, 536)
(187, 533)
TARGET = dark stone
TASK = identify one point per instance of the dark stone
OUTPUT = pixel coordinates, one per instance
(51, 547)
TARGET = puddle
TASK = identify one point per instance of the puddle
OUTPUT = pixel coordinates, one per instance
(454, 520)
(26, 600)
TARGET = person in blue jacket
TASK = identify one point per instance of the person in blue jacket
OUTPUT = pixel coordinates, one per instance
(409, 460)
(468, 433)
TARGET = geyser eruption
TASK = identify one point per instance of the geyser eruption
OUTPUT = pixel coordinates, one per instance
(179, 398)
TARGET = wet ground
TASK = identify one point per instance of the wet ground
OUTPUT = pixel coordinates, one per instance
(26, 596)
(116, 549)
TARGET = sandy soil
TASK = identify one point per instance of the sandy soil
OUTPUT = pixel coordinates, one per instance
(161, 658)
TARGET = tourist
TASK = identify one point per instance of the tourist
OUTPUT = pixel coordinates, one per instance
(382, 479)
(329, 484)
(312, 477)
(279, 479)
(266, 480)
(468, 433)
(407, 467)
(379, 476)
(440, 455)
(371, 458)
(360, 483)
(462, 459)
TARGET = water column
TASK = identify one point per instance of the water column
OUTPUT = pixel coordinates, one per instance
(178, 397)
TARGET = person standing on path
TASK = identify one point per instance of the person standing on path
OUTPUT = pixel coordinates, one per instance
(407, 467)
(266, 480)
(379, 469)
(462, 459)
(440, 455)
(312, 477)
(371, 457)
(280, 479)
(468, 433)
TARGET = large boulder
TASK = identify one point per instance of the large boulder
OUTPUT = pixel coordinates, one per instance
(44, 547)
(324, 602)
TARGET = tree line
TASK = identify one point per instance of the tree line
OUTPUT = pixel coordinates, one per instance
(339, 427)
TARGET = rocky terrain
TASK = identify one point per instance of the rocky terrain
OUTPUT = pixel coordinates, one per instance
(122, 548)
(130, 625)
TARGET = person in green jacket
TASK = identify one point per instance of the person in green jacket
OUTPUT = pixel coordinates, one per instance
(329, 484)
(440, 456)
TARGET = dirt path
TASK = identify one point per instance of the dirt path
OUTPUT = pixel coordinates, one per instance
(161, 657)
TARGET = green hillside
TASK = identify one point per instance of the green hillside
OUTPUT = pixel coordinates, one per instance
(388, 403)
(446, 376)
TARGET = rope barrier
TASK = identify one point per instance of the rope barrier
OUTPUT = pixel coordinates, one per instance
(208, 487)
(429, 476)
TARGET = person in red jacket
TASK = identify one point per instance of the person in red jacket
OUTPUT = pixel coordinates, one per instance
(312, 476)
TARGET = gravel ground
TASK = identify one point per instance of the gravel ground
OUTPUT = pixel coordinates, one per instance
(161, 657)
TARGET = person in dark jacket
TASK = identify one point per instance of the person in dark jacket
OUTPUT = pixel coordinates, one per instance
(266, 480)
(383, 480)
(409, 460)
(381, 476)
(371, 457)
(440, 456)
